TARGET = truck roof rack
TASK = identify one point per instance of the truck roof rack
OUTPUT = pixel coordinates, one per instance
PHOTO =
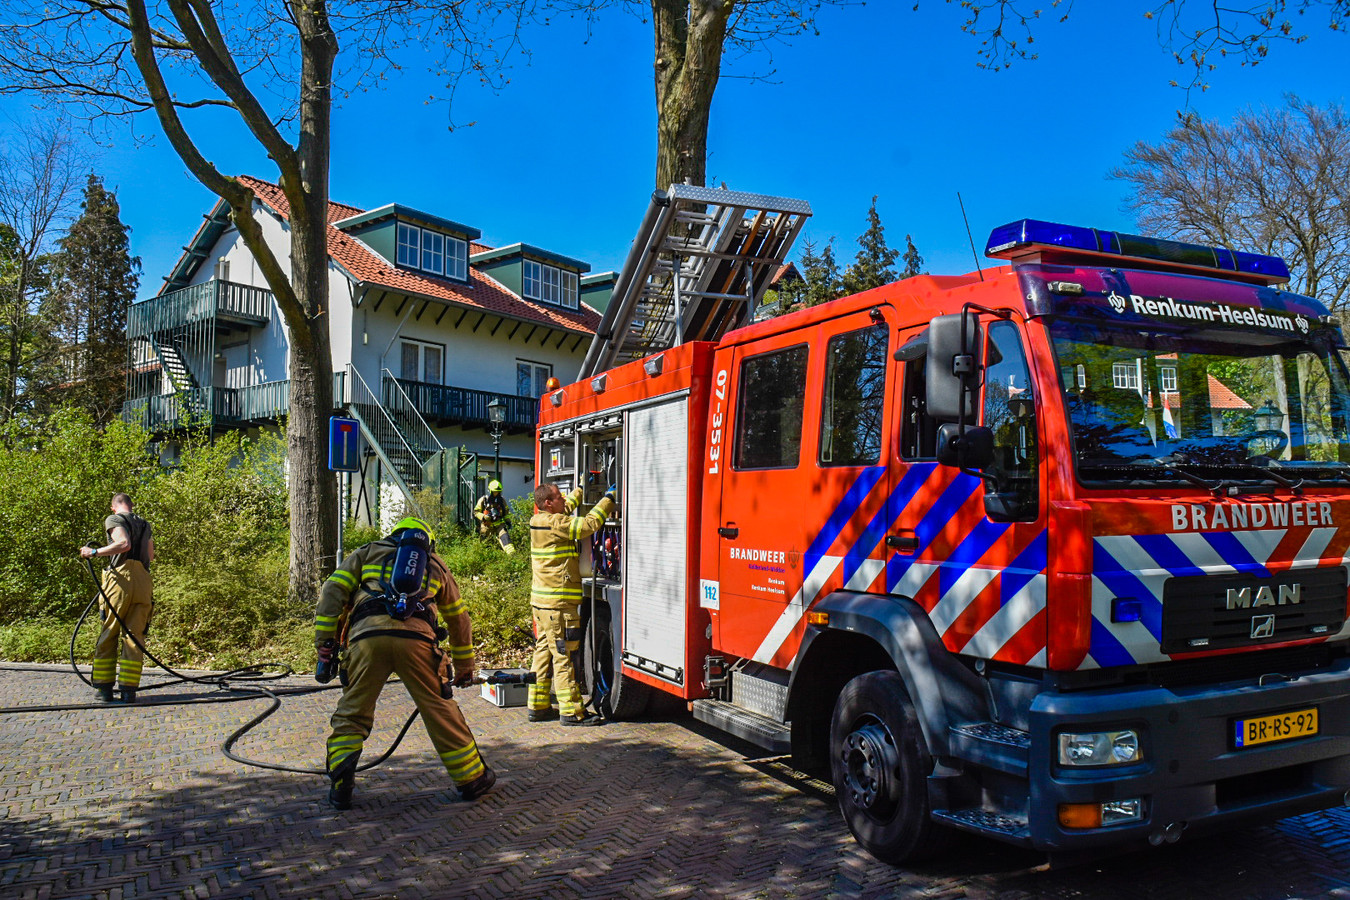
(697, 269)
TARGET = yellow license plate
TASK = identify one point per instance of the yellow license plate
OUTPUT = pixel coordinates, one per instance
(1283, 726)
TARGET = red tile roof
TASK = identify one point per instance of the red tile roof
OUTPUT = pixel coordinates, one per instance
(1222, 397)
(481, 293)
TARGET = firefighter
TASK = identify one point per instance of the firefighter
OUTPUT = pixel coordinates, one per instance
(555, 600)
(127, 588)
(380, 643)
(492, 515)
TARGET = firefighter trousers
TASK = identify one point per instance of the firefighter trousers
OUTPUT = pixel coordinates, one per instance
(423, 668)
(128, 590)
(558, 637)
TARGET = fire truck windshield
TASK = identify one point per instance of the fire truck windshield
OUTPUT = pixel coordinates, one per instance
(1206, 405)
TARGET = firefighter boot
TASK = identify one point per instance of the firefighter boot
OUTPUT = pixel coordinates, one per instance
(104, 692)
(479, 786)
(128, 695)
(344, 783)
(583, 719)
(543, 715)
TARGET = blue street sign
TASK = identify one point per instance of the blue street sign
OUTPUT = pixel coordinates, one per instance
(344, 444)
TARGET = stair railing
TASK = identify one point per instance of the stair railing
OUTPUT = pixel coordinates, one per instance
(383, 428)
(419, 432)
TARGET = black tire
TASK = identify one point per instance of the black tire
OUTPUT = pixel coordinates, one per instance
(618, 697)
(879, 763)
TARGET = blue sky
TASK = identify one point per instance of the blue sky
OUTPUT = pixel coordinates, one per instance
(887, 101)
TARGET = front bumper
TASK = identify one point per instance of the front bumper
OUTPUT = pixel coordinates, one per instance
(1192, 779)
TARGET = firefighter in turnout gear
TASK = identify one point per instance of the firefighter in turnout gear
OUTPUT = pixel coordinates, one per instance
(126, 586)
(555, 599)
(492, 514)
(387, 637)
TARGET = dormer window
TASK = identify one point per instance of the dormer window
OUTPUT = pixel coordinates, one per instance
(433, 252)
(549, 284)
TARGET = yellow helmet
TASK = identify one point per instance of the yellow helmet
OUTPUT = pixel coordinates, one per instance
(414, 522)
(495, 486)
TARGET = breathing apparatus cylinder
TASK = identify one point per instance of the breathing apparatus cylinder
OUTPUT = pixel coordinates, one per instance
(409, 570)
(327, 666)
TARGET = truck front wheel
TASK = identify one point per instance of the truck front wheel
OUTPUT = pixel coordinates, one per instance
(879, 763)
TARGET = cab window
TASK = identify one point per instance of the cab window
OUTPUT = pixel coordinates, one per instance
(1010, 412)
(855, 394)
(769, 413)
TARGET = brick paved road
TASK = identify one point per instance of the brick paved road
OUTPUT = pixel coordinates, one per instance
(139, 802)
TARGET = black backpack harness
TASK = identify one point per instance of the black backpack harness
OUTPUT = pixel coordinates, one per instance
(403, 588)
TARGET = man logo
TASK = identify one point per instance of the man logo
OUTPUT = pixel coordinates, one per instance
(1263, 627)
(1117, 302)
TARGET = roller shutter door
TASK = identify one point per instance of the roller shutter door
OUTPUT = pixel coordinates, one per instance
(655, 504)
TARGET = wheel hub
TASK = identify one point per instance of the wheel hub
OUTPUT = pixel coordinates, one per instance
(871, 762)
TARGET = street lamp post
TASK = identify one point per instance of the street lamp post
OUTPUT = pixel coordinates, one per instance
(497, 416)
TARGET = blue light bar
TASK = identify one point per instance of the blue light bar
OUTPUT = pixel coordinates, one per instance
(1030, 236)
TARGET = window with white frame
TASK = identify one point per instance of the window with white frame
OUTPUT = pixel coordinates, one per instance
(532, 275)
(549, 284)
(457, 258)
(532, 378)
(409, 245)
(433, 251)
(552, 285)
(1167, 375)
(569, 289)
(421, 361)
(1125, 375)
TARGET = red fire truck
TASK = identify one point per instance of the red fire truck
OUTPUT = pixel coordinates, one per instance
(1054, 552)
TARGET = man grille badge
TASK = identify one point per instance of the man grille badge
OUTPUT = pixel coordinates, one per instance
(1263, 626)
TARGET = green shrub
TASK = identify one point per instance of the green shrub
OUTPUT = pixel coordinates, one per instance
(48, 640)
(57, 481)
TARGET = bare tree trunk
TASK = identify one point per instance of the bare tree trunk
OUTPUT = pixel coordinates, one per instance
(314, 499)
(689, 39)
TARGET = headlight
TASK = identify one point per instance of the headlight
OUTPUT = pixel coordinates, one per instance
(1099, 748)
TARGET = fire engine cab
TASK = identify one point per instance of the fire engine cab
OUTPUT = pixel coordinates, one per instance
(1053, 552)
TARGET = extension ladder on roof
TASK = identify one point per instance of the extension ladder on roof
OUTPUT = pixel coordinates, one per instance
(697, 269)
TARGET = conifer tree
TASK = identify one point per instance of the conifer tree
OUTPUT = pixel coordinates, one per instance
(87, 310)
(819, 282)
(874, 264)
(913, 261)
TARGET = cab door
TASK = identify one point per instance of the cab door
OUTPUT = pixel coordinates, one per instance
(803, 493)
(972, 551)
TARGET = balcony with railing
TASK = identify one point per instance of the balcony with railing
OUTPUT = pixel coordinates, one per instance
(229, 407)
(443, 404)
(225, 301)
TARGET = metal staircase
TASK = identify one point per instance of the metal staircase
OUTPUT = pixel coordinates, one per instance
(169, 352)
(697, 269)
(407, 446)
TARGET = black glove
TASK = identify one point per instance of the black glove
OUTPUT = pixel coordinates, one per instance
(464, 679)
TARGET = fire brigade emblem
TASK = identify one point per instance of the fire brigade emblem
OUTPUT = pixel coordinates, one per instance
(1117, 302)
(1263, 626)
(793, 558)
(1302, 324)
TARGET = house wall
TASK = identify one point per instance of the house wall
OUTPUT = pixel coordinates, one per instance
(480, 351)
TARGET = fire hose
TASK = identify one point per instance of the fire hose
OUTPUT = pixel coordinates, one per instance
(225, 681)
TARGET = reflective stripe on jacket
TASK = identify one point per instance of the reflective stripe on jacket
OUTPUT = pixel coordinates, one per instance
(357, 580)
(554, 557)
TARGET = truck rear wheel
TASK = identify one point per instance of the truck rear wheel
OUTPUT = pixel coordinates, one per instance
(619, 697)
(879, 763)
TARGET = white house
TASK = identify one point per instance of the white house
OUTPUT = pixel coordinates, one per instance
(429, 327)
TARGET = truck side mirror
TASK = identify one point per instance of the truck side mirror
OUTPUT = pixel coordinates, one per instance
(972, 450)
(952, 369)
